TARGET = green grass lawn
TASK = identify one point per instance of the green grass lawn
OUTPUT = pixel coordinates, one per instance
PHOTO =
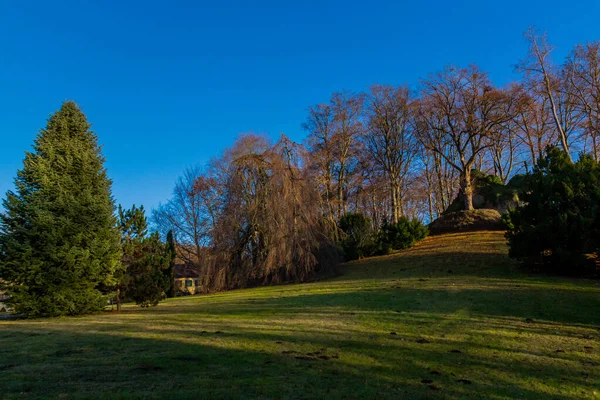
(451, 318)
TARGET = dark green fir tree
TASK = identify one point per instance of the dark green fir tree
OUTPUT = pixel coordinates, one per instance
(170, 271)
(146, 260)
(58, 236)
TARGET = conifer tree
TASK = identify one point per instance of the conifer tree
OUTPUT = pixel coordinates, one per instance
(146, 259)
(58, 237)
(170, 272)
(147, 280)
(134, 228)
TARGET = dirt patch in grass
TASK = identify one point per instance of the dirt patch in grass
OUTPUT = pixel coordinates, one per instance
(188, 358)
(148, 368)
(68, 352)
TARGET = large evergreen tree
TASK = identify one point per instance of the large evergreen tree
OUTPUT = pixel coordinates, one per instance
(58, 236)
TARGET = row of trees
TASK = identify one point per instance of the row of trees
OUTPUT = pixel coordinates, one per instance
(63, 251)
(393, 151)
(268, 212)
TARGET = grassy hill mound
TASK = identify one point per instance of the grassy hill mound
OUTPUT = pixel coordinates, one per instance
(450, 318)
(464, 221)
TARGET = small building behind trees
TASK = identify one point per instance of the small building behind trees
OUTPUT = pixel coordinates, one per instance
(3, 306)
(187, 279)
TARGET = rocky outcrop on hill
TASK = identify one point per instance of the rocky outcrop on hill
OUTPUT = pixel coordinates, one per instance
(473, 220)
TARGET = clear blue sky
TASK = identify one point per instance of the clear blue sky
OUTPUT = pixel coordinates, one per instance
(170, 84)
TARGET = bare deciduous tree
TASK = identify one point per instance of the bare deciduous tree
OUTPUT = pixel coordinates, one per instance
(541, 73)
(459, 109)
(533, 122)
(191, 214)
(266, 213)
(582, 76)
(333, 131)
(389, 138)
(321, 157)
(503, 142)
(347, 111)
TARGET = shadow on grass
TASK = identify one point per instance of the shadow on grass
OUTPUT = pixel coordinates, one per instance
(493, 298)
(331, 339)
(46, 363)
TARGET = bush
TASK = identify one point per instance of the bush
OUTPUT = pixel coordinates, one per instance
(361, 240)
(358, 236)
(558, 228)
(401, 235)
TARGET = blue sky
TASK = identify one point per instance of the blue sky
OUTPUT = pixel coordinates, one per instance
(169, 85)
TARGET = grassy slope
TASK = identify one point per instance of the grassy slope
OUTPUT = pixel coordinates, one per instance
(457, 305)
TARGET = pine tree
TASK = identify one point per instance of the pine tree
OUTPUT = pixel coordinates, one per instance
(557, 227)
(58, 236)
(145, 260)
(170, 272)
(134, 228)
(147, 282)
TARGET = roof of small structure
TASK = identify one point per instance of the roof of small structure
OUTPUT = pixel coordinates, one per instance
(185, 270)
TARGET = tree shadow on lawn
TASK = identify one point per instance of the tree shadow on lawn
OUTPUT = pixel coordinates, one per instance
(378, 341)
(479, 283)
(46, 363)
(529, 302)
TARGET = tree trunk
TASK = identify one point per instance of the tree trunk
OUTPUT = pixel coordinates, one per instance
(430, 190)
(548, 88)
(467, 189)
(118, 298)
(374, 207)
(430, 207)
(559, 127)
(394, 196)
(340, 193)
(400, 211)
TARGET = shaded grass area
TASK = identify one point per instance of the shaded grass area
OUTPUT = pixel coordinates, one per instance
(451, 318)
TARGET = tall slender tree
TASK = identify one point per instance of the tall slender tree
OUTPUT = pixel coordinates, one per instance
(582, 73)
(58, 236)
(540, 74)
(321, 158)
(170, 272)
(347, 111)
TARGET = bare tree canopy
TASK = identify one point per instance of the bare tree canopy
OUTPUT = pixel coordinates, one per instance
(543, 78)
(458, 111)
(389, 138)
